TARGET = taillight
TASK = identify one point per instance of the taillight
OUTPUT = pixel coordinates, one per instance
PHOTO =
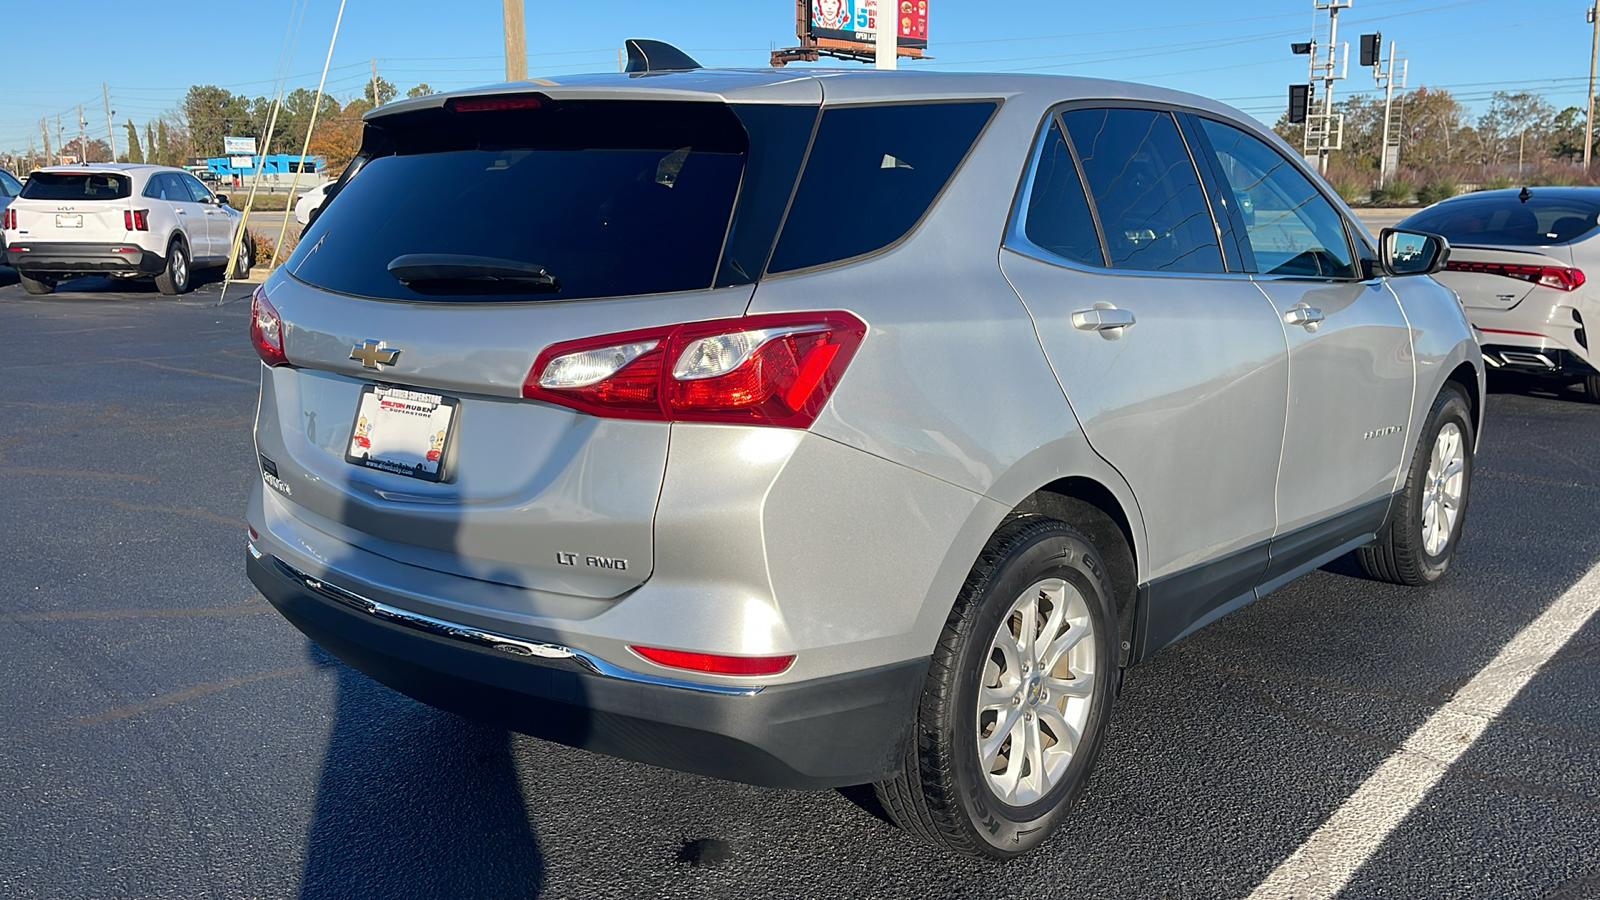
(136, 219)
(8, 219)
(757, 370)
(266, 329)
(711, 662)
(1558, 277)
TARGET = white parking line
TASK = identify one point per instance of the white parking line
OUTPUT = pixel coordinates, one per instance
(1326, 862)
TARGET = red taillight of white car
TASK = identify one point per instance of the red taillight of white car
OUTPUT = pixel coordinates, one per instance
(774, 369)
(1558, 277)
(136, 219)
(266, 330)
(8, 220)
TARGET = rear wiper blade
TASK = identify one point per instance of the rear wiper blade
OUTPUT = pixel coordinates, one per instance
(460, 269)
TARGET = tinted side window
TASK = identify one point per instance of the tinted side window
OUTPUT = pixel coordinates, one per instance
(872, 173)
(9, 187)
(778, 139)
(1058, 216)
(163, 186)
(196, 189)
(1145, 188)
(1291, 228)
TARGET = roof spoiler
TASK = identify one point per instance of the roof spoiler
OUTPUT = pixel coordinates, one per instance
(657, 56)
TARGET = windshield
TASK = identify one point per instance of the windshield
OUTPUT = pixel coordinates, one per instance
(1506, 220)
(611, 199)
(76, 186)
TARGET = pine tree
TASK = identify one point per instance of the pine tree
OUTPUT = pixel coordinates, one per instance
(150, 141)
(163, 152)
(135, 154)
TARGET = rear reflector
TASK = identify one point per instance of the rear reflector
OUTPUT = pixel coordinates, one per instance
(1558, 277)
(711, 662)
(266, 329)
(755, 370)
(496, 104)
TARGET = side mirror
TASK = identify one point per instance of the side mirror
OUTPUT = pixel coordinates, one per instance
(222, 199)
(1412, 252)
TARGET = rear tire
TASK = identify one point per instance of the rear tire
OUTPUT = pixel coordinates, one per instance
(1591, 386)
(246, 259)
(36, 285)
(175, 279)
(1419, 540)
(965, 785)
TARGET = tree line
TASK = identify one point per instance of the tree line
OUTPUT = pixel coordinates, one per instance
(206, 114)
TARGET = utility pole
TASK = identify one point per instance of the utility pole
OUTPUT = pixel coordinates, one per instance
(111, 131)
(1594, 51)
(83, 146)
(886, 54)
(61, 139)
(1325, 130)
(516, 42)
(44, 132)
(1389, 157)
(375, 99)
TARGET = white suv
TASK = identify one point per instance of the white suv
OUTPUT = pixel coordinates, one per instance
(121, 220)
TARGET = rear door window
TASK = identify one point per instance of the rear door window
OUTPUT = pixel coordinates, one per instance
(76, 186)
(1506, 219)
(1058, 219)
(1292, 229)
(610, 198)
(872, 174)
(162, 186)
(1152, 208)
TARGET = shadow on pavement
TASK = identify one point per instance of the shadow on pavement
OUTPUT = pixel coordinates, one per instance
(414, 802)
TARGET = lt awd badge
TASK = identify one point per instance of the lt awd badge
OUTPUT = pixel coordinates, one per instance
(373, 355)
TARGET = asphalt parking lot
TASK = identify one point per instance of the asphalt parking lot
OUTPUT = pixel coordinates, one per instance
(166, 734)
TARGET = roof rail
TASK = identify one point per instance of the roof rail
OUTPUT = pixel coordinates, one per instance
(657, 56)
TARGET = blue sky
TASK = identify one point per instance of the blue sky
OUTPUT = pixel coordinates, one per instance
(57, 57)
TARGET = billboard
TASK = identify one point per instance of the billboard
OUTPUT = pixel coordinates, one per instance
(232, 145)
(857, 20)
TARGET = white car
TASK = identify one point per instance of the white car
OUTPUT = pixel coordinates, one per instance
(123, 220)
(309, 202)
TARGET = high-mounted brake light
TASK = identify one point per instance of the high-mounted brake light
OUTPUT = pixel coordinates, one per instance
(266, 329)
(756, 370)
(136, 219)
(1558, 277)
(496, 104)
(711, 662)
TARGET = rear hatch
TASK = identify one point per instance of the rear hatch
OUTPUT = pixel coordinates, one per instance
(425, 263)
(1504, 244)
(75, 207)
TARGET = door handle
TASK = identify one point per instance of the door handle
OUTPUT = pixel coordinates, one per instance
(181, 212)
(1304, 314)
(1105, 319)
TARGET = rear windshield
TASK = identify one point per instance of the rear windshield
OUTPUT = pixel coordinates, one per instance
(610, 198)
(1506, 220)
(76, 186)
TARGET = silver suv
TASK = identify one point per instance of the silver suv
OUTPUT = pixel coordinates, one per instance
(840, 427)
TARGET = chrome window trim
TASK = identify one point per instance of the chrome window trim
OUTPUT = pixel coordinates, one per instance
(479, 637)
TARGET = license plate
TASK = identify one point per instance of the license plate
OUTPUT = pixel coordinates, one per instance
(402, 431)
(64, 221)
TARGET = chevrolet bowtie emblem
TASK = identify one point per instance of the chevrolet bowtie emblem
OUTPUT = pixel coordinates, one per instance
(373, 355)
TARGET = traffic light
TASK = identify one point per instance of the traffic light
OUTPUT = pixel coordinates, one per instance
(1300, 48)
(1299, 102)
(1371, 45)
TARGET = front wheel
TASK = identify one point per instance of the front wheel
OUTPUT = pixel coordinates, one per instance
(175, 278)
(1591, 386)
(1419, 541)
(36, 285)
(1017, 698)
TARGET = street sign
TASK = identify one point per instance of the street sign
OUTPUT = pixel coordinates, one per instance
(232, 145)
(242, 162)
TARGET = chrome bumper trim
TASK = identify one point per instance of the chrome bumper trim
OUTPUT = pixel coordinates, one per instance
(494, 641)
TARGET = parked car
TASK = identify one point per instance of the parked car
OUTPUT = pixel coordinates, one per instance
(124, 220)
(9, 188)
(824, 429)
(309, 202)
(1517, 261)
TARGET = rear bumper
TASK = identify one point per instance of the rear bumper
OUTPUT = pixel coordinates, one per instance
(1545, 359)
(826, 732)
(82, 258)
